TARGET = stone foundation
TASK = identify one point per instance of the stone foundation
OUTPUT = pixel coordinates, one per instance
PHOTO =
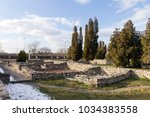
(47, 75)
(100, 80)
(87, 73)
(101, 76)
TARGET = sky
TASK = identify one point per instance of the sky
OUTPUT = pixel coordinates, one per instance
(50, 22)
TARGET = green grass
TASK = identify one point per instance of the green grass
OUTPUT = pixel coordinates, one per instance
(130, 82)
(64, 94)
(61, 94)
(62, 82)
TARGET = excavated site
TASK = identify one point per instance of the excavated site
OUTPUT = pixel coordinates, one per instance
(90, 74)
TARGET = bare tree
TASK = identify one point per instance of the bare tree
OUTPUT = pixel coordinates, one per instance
(61, 52)
(33, 47)
(44, 50)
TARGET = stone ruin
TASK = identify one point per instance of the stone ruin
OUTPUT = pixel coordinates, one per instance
(86, 73)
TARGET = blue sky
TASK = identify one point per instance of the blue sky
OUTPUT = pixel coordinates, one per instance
(50, 22)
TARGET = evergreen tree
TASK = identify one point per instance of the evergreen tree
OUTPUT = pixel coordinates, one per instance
(132, 45)
(74, 47)
(90, 38)
(101, 50)
(146, 44)
(125, 47)
(114, 48)
(86, 44)
(95, 37)
(22, 56)
(80, 42)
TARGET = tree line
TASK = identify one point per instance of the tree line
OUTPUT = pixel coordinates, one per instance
(127, 47)
(91, 49)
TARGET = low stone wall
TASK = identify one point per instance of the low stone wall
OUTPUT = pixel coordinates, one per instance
(113, 79)
(61, 66)
(94, 71)
(141, 73)
(100, 80)
(36, 67)
(35, 61)
(47, 75)
(111, 70)
(103, 75)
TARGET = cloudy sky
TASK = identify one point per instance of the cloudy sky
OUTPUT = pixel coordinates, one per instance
(50, 22)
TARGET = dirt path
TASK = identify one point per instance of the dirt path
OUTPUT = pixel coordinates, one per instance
(94, 91)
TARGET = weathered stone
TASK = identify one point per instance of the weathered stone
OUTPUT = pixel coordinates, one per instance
(86, 73)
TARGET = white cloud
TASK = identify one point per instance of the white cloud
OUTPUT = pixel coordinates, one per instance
(124, 5)
(105, 33)
(139, 17)
(83, 1)
(50, 31)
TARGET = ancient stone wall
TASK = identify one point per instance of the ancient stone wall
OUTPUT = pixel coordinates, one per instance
(141, 73)
(61, 66)
(101, 76)
(100, 80)
(111, 70)
(35, 61)
(48, 66)
(87, 73)
(47, 75)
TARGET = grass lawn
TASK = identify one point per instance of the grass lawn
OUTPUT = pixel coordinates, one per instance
(130, 82)
(63, 94)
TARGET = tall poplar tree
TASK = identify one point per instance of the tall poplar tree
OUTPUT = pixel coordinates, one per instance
(93, 37)
(74, 46)
(90, 37)
(86, 44)
(80, 42)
